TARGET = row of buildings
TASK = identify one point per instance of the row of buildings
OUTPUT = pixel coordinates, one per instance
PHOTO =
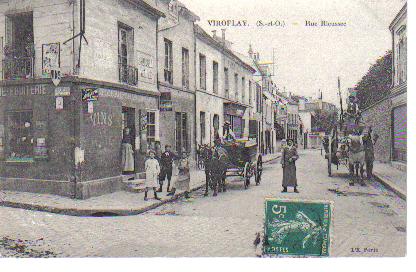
(388, 117)
(76, 73)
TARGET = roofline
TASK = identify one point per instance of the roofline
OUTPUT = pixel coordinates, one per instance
(148, 8)
(399, 15)
(204, 36)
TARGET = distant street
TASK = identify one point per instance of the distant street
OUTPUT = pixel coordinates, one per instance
(368, 221)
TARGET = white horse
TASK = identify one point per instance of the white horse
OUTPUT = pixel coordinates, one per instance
(356, 158)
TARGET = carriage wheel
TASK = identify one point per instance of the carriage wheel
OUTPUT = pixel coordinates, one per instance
(247, 175)
(329, 167)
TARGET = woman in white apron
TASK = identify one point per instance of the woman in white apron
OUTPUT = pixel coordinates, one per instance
(152, 175)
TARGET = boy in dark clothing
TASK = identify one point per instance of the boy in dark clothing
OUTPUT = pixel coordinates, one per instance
(166, 164)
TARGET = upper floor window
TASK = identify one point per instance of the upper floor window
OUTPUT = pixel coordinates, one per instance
(202, 72)
(168, 68)
(226, 83)
(215, 77)
(185, 68)
(127, 72)
(401, 66)
(236, 86)
(243, 89)
(250, 92)
(19, 50)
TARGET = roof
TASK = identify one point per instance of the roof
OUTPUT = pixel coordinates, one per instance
(148, 8)
(202, 34)
(400, 14)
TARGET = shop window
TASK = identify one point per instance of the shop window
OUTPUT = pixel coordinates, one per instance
(202, 72)
(181, 129)
(185, 68)
(19, 51)
(215, 77)
(168, 70)
(226, 83)
(151, 126)
(20, 127)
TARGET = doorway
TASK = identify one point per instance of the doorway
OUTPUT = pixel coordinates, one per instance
(128, 121)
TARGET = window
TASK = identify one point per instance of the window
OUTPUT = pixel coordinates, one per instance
(236, 124)
(226, 83)
(236, 86)
(250, 92)
(151, 126)
(21, 134)
(243, 89)
(202, 126)
(127, 73)
(19, 50)
(215, 77)
(168, 70)
(182, 140)
(185, 68)
(402, 60)
(202, 72)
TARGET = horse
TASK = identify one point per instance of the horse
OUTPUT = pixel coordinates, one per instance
(356, 158)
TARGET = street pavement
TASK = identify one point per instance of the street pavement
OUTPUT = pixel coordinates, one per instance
(368, 221)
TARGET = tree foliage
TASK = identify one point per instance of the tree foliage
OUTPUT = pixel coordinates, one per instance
(375, 85)
(324, 121)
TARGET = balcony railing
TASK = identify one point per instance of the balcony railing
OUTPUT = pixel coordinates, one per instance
(18, 68)
(128, 74)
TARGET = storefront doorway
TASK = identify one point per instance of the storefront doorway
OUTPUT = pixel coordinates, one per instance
(129, 136)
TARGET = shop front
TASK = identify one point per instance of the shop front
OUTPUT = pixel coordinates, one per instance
(67, 140)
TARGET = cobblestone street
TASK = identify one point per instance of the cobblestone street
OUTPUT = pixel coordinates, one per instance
(369, 218)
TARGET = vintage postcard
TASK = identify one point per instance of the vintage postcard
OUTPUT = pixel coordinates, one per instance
(196, 128)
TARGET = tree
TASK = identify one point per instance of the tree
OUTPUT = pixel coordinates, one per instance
(324, 121)
(375, 85)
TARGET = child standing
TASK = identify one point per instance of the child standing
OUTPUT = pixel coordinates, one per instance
(152, 172)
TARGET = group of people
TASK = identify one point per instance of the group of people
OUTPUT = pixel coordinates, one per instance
(166, 166)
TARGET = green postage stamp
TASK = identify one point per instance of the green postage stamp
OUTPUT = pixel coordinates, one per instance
(297, 228)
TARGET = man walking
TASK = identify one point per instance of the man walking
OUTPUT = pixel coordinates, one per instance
(288, 159)
(166, 162)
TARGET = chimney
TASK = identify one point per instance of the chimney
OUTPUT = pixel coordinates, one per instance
(214, 33)
(223, 35)
(250, 52)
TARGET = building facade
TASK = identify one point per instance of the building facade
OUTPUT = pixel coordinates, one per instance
(177, 84)
(64, 103)
(398, 29)
(224, 88)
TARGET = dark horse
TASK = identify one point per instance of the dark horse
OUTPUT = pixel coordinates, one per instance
(214, 160)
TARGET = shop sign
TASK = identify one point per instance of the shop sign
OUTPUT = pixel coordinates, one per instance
(59, 103)
(297, 228)
(50, 58)
(62, 91)
(25, 90)
(145, 67)
(90, 94)
(165, 101)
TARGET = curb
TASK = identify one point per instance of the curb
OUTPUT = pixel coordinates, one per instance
(101, 212)
(390, 186)
(93, 212)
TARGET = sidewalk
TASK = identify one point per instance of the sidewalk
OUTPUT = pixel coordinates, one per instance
(392, 178)
(119, 203)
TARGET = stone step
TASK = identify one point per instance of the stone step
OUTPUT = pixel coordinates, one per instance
(134, 186)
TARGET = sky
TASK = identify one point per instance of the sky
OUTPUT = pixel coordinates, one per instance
(307, 59)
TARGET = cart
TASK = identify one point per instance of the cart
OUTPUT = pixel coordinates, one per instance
(243, 160)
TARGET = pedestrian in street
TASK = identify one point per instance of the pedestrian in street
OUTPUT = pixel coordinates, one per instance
(181, 175)
(288, 161)
(127, 153)
(152, 172)
(166, 162)
(369, 143)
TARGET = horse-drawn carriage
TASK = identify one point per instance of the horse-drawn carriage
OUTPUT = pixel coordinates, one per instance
(346, 145)
(231, 159)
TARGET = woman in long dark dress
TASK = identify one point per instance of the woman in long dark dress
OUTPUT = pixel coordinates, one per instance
(288, 161)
